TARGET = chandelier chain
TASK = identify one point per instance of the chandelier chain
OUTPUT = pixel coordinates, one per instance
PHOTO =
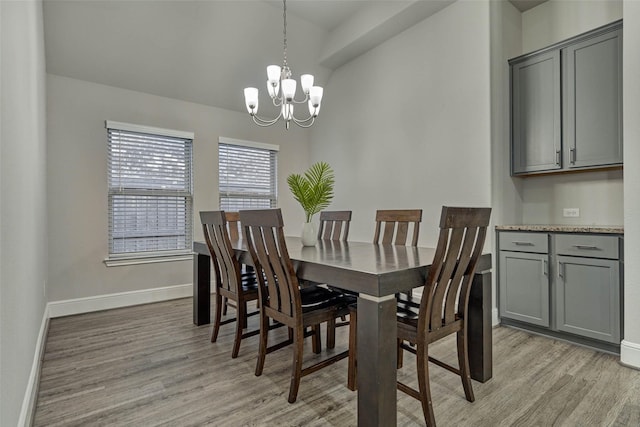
(284, 31)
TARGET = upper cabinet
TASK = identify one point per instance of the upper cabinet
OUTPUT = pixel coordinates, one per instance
(566, 105)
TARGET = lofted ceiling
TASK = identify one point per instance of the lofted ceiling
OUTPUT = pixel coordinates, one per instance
(208, 51)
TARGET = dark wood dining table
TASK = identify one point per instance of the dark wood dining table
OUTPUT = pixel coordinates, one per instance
(377, 273)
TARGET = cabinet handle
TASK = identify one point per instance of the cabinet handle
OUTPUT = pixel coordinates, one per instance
(573, 155)
(588, 247)
(545, 268)
(558, 157)
(522, 243)
(560, 272)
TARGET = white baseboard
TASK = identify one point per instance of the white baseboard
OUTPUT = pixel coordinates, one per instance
(630, 354)
(495, 318)
(122, 299)
(31, 393)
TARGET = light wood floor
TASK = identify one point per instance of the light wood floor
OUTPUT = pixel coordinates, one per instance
(149, 365)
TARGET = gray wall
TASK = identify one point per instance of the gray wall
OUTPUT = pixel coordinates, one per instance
(407, 124)
(630, 351)
(23, 208)
(77, 179)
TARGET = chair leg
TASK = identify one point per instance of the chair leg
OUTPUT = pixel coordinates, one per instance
(316, 341)
(331, 333)
(400, 355)
(296, 369)
(244, 315)
(352, 383)
(216, 320)
(225, 300)
(241, 317)
(422, 363)
(463, 361)
(262, 350)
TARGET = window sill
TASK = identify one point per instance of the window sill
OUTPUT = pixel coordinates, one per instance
(118, 262)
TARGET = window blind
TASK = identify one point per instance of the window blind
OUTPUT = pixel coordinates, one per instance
(150, 192)
(247, 177)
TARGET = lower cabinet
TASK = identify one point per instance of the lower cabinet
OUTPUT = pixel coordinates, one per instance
(566, 284)
(588, 297)
(526, 298)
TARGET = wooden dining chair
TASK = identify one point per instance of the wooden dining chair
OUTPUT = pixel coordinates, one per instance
(334, 225)
(281, 297)
(444, 304)
(233, 224)
(231, 283)
(235, 232)
(392, 226)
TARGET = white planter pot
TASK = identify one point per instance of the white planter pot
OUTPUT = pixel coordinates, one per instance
(309, 234)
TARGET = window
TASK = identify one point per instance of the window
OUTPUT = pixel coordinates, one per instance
(150, 191)
(247, 175)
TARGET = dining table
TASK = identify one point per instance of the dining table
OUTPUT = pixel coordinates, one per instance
(377, 272)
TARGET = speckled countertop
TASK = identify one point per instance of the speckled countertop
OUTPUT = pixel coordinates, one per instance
(564, 228)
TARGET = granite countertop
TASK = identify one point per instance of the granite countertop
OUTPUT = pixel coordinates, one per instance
(564, 228)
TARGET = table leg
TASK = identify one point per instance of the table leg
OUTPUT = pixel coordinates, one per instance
(480, 330)
(377, 338)
(201, 289)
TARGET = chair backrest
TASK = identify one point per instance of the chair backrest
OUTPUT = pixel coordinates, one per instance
(397, 223)
(263, 231)
(233, 224)
(446, 292)
(226, 265)
(334, 225)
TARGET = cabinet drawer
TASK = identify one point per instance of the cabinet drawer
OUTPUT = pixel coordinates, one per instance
(524, 242)
(592, 246)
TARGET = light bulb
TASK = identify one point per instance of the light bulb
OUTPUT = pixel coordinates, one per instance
(251, 99)
(315, 95)
(288, 89)
(273, 73)
(306, 81)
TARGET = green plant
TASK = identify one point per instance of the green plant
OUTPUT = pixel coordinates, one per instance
(314, 189)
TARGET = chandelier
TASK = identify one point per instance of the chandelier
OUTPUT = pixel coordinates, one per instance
(282, 89)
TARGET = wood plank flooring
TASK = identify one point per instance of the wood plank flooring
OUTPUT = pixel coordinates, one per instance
(150, 366)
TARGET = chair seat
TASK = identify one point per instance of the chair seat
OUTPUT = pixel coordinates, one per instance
(250, 286)
(316, 297)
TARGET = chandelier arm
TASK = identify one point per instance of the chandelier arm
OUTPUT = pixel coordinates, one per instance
(303, 123)
(264, 122)
(299, 121)
(277, 101)
(303, 101)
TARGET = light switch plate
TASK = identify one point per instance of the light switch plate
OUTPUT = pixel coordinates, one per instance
(571, 212)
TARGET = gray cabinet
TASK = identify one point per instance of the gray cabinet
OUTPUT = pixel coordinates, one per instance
(566, 105)
(536, 113)
(563, 284)
(524, 281)
(593, 101)
(524, 287)
(587, 286)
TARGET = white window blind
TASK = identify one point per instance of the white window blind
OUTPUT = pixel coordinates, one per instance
(247, 175)
(150, 191)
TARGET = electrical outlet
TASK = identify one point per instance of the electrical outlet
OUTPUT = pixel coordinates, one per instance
(571, 212)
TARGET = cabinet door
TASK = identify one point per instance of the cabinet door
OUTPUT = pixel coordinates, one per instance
(535, 114)
(592, 81)
(524, 287)
(588, 297)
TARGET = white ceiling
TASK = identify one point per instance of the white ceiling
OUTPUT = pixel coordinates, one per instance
(208, 51)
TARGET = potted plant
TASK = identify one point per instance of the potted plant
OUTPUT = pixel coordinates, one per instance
(314, 192)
